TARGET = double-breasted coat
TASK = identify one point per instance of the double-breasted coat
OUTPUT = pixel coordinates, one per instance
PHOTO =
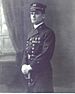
(38, 53)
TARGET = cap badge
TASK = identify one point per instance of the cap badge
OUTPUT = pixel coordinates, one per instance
(34, 5)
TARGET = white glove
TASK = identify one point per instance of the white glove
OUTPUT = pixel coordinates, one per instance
(29, 67)
(25, 69)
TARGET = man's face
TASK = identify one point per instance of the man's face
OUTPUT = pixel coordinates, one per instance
(36, 17)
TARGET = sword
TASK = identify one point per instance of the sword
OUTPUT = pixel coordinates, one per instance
(28, 78)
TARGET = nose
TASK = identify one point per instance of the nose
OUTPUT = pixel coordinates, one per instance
(34, 15)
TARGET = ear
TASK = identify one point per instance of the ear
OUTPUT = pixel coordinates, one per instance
(43, 16)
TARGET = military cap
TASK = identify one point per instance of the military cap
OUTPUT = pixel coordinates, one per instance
(37, 6)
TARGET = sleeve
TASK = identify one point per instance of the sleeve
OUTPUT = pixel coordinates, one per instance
(24, 60)
(47, 50)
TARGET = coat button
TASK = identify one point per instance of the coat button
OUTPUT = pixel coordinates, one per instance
(33, 44)
(38, 41)
(38, 38)
(32, 55)
(32, 51)
(27, 44)
(32, 48)
(27, 41)
(38, 62)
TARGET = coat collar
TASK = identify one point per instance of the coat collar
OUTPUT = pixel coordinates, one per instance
(35, 31)
(32, 33)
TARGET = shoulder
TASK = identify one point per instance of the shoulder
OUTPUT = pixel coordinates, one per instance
(49, 32)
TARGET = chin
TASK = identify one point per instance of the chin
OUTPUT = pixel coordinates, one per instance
(33, 22)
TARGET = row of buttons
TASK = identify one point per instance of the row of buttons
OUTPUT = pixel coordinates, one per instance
(32, 44)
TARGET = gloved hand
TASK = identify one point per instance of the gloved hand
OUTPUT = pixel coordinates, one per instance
(26, 68)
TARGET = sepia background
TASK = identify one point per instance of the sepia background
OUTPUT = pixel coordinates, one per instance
(60, 16)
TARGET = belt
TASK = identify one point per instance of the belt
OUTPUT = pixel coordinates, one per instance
(31, 57)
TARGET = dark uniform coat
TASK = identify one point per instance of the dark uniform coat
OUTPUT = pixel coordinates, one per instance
(38, 53)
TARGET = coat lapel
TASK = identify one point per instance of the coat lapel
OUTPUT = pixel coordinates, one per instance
(35, 31)
(32, 33)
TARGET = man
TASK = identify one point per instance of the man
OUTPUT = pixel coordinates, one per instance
(36, 65)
